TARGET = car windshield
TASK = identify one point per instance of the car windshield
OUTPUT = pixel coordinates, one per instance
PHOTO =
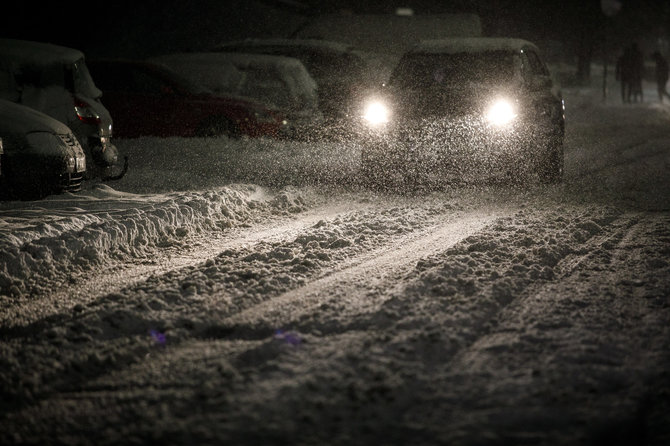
(430, 70)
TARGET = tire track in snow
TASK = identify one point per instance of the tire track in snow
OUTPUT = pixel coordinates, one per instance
(360, 284)
(514, 345)
(203, 248)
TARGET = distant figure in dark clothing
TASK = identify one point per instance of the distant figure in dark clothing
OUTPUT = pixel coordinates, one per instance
(623, 74)
(636, 72)
(661, 75)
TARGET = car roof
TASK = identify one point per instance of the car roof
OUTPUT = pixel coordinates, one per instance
(120, 61)
(314, 44)
(160, 67)
(38, 52)
(233, 58)
(472, 45)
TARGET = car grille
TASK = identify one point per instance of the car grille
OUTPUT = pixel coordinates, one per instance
(71, 182)
(71, 141)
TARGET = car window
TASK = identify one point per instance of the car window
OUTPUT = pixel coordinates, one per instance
(535, 64)
(147, 83)
(266, 86)
(421, 70)
(171, 79)
(42, 75)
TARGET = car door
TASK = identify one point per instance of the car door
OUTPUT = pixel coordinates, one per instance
(539, 87)
(162, 100)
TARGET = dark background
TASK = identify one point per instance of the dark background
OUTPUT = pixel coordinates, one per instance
(575, 31)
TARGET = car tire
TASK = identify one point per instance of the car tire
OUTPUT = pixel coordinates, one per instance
(218, 126)
(550, 168)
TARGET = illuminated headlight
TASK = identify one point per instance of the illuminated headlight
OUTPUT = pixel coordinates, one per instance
(376, 113)
(71, 164)
(501, 113)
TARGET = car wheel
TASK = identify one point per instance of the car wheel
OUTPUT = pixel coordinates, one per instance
(218, 126)
(550, 169)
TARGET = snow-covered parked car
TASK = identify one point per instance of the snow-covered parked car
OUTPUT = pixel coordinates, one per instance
(282, 83)
(55, 80)
(342, 73)
(480, 106)
(150, 99)
(41, 155)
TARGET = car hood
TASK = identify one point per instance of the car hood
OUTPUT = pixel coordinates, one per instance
(19, 119)
(447, 101)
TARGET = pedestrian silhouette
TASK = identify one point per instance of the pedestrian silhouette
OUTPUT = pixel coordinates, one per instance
(636, 72)
(661, 75)
(623, 74)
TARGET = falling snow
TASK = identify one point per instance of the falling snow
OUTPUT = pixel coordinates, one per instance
(256, 292)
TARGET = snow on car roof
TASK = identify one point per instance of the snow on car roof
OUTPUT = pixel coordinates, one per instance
(471, 45)
(38, 52)
(304, 43)
(232, 58)
(218, 70)
(221, 72)
(389, 33)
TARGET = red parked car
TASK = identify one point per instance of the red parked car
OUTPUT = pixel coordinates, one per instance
(148, 99)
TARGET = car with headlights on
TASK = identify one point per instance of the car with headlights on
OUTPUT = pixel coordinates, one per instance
(150, 99)
(464, 109)
(41, 155)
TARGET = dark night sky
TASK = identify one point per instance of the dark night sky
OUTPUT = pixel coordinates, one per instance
(143, 28)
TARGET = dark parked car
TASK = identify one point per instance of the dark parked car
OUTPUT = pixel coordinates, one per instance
(281, 83)
(481, 106)
(342, 74)
(55, 80)
(41, 155)
(150, 99)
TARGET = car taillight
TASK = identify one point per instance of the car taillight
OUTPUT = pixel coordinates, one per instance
(85, 112)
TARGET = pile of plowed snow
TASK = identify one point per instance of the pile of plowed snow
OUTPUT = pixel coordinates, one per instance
(102, 224)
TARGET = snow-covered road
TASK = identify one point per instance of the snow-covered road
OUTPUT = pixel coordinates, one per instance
(252, 292)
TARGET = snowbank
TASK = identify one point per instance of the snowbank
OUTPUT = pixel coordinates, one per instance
(91, 229)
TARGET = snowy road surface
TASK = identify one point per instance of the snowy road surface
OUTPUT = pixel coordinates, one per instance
(252, 292)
